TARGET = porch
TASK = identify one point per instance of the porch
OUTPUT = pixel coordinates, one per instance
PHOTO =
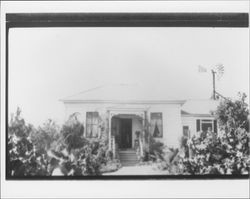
(127, 126)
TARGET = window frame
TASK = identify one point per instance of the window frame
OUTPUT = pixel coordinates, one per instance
(188, 129)
(207, 122)
(87, 134)
(161, 126)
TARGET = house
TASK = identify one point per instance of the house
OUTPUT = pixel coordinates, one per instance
(130, 111)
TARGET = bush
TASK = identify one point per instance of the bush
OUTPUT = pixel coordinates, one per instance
(154, 151)
(78, 156)
(23, 158)
(86, 160)
(72, 133)
(163, 157)
(227, 152)
(79, 162)
(215, 156)
(171, 161)
(47, 135)
(50, 150)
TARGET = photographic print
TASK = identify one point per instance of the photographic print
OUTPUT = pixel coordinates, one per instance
(127, 95)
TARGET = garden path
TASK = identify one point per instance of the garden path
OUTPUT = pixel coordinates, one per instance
(138, 170)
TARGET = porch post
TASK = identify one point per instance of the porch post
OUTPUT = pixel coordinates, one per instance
(109, 130)
(143, 134)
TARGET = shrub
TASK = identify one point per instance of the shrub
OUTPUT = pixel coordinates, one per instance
(154, 151)
(23, 158)
(45, 136)
(215, 156)
(76, 155)
(85, 160)
(227, 152)
(47, 150)
(72, 133)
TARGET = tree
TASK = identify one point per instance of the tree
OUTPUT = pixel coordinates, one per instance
(232, 115)
(51, 150)
(45, 136)
(72, 133)
(227, 152)
(23, 158)
(76, 155)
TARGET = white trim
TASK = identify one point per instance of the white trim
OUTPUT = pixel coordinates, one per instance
(198, 115)
(132, 110)
(125, 112)
(205, 122)
(124, 101)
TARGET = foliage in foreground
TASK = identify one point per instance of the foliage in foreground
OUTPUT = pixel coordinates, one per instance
(23, 158)
(49, 150)
(155, 150)
(227, 152)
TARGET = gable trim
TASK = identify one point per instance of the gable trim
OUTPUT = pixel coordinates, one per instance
(181, 102)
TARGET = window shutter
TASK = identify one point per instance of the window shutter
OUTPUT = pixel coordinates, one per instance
(215, 126)
(198, 122)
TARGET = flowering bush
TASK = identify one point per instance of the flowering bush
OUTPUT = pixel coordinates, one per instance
(77, 155)
(23, 158)
(45, 136)
(227, 152)
(49, 150)
(215, 156)
(86, 160)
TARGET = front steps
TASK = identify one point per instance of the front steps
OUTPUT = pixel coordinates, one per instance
(128, 157)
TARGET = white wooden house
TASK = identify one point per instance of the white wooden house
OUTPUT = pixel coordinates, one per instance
(131, 109)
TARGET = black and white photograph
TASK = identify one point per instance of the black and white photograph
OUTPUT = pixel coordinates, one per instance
(126, 95)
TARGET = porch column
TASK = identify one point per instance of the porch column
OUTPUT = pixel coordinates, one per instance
(143, 134)
(109, 130)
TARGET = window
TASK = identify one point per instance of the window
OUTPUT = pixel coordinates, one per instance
(204, 125)
(156, 125)
(186, 131)
(92, 124)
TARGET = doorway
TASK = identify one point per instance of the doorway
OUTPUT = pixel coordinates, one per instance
(125, 132)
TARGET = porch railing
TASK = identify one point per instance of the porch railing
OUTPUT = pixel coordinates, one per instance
(113, 146)
(140, 146)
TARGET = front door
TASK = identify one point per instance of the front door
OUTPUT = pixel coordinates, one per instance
(125, 133)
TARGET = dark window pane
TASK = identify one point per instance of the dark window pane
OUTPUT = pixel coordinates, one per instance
(215, 126)
(185, 131)
(198, 125)
(205, 126)
(156, 124)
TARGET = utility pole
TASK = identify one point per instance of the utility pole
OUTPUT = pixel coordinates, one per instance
(213, 73)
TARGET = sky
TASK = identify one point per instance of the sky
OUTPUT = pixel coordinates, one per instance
(48, 64)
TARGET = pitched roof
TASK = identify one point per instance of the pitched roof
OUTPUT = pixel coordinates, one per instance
(124, 92)
(199, 107)
(138, 94)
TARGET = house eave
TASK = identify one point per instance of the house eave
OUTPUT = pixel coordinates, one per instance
(180, 102)
(196, 115)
